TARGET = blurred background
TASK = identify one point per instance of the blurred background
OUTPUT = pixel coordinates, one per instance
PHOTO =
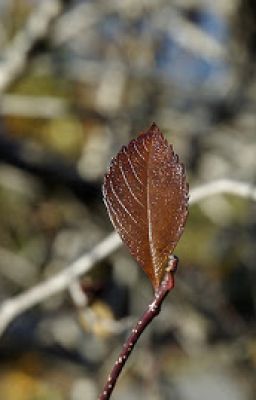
(78, 79)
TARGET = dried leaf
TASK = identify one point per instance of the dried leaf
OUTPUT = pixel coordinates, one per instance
(146, 195)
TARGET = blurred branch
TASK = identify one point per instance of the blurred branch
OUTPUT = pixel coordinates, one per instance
(18, 304)
(75, 22)
(88, 317)
(11, 308)
(77, 294)
(33, 106)
(14, 58)
(227, 186)
(189, 36)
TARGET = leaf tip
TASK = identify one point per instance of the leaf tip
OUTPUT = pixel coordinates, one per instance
(154, 125)
(154, 128)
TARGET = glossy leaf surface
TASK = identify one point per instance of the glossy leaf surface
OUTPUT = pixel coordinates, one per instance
(146, 195)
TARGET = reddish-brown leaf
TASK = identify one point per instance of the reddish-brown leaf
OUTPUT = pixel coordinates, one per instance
(146, 195)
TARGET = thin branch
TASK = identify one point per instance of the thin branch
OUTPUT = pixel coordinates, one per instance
(152, 311)
(227, 186)
(33, 106)
(13, 307)
(75, 22)
(89, 319)
(77, 294)
(188, 35)
(15, 57)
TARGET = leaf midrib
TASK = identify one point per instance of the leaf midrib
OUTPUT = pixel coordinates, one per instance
(149, 215)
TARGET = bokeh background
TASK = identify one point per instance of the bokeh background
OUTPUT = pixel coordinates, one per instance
(78, 79)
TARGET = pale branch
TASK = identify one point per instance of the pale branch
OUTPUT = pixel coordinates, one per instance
(13, 307)
(189, 36)
(76, 21)
(79, 297)
(14, 57)
(225, 186)
(33, 106)
(89, 318)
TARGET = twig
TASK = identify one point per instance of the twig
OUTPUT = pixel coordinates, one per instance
(77, 294)
(90, 319)
(75, 22)
(189, 36)
(13, 307)
(227, 186)
(33, 106)
(15, 56)
(152, 311)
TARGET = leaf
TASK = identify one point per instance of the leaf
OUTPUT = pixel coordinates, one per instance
(146, 195)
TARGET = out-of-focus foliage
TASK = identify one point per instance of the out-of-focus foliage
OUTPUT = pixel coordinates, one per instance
(102, 72)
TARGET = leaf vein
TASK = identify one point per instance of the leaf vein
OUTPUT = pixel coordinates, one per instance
(129, 187)
(113, 211)
(149, 218)
(137, 151)
(133, 169)
(121, 203)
